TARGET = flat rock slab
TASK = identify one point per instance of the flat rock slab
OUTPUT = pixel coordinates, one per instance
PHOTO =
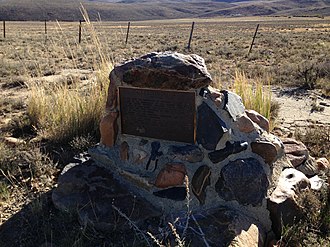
(163, 70)
(96, 195)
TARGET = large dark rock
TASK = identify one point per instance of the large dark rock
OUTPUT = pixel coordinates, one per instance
(243, 180)
(210, 128)
(163, 70)
(91, 191)
(174, 193)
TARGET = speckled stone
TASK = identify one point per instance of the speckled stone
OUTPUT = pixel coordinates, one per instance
(163, 70)
(243, 180)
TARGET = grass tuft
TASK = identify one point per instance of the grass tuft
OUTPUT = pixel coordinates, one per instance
(255, 95)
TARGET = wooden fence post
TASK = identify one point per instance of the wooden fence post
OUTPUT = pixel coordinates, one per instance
(80, 31)
(128, 26)
(254, 36)
(4, 29)
(191, 34)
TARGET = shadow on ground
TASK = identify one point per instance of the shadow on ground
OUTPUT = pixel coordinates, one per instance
(100, 212)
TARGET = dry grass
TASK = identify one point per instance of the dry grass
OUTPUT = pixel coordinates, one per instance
(60, 111)
(256, 95)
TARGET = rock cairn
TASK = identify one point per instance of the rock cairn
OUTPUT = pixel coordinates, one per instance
(233, 169)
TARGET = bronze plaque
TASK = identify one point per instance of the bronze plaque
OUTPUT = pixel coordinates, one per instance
(160, 114)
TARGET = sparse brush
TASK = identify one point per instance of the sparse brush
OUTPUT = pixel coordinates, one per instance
(62, 112)
(316, 138)
(255, 95)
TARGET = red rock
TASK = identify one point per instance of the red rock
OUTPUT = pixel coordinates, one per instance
(111, 104)
(295, 150)
(245, 124)
(109, 129)
(266, 150)
(124, 148)
(323, 164)
(171, 175)
(258, 119)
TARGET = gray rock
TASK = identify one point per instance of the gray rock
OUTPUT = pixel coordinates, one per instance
(163, 70)
(210, 128)
(233, 104)
(243, 180)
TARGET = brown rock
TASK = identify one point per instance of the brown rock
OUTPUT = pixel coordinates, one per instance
(323, 164)
(295, 150)
(248, 237)
(258, 119)
(266, 150)
(171, 175)
(163, 70)
(124, 148)
(244, 124)
(216, 96)
(109, 129)
(111, 104)
(200, 181)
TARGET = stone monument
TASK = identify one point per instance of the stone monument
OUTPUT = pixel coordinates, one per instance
(172, 140)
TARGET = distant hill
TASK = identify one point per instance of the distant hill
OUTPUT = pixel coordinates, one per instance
(120, 10)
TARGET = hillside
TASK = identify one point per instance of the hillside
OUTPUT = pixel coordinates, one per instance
(120, 10)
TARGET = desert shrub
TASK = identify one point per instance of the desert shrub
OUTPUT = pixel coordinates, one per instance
(255, 95)
(25, 164)
(314, 228)
(317, 140)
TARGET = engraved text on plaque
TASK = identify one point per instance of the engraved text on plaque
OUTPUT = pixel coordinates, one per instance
(161, 114)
